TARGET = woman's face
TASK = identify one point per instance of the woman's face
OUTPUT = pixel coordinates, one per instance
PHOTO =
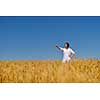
(65, 45)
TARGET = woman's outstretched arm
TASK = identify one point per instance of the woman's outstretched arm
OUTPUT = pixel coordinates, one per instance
(58, 47)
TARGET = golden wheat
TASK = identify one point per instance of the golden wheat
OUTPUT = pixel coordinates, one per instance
(50, 71)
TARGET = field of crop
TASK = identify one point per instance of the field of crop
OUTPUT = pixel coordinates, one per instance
(50, 71)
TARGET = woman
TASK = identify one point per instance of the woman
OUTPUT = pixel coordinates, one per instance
(68, 53)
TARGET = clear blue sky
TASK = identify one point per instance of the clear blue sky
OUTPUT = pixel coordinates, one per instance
(35, 37)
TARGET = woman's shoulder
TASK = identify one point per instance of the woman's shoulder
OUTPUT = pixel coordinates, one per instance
(69, 48)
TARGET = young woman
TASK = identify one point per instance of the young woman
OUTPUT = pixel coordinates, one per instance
(68, 53)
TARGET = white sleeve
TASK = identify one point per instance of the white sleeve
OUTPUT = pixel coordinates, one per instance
(73, 52)
(62, 49)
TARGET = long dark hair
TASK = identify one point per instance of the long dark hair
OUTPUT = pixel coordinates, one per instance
(67, 44)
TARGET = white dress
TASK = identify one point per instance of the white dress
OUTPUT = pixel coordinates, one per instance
(67, 54)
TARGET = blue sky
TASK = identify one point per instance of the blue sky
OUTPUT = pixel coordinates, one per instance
(28, 38)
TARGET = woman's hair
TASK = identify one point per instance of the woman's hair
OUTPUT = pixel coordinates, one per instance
(67, 44)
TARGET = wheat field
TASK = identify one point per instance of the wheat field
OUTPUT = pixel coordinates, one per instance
(50, 71)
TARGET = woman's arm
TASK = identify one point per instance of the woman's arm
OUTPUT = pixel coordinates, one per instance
(73, 53)
(59, 48)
